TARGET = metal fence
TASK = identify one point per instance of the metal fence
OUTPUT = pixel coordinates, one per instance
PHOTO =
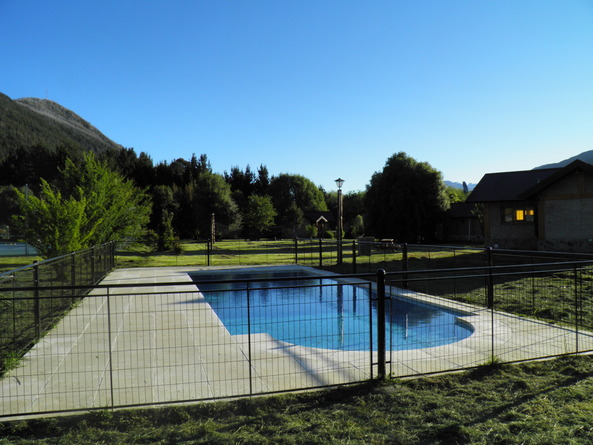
(155, 339)
(358, 256)
(34, 298)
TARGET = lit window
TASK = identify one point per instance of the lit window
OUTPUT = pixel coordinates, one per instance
(518, 215)
(529, 214)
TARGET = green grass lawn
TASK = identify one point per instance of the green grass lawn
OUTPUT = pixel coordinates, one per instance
(547, 402)
(223, 253)
(8, 263)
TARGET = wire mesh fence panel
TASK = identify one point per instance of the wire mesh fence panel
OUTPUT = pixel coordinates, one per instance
(17, 317)
(296, 335)
(428, 334)
(170, 347)
(307, 252)
(33, 299)
(66, 369)
(213, 335)
(533, 312)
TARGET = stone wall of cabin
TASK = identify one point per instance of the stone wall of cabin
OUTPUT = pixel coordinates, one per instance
(508, 235)
(567, 207)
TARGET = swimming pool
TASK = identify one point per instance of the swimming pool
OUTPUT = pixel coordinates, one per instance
(322, 312)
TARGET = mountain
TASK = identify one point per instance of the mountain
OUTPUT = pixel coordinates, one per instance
(586, 156)
(31, 122)
(459, 185)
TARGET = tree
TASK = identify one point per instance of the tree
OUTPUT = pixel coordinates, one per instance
(292, 196)
(455, 194)
(259, 215)
(406, 200)
(242, 185)
(161, 221)
(51, 223)
(241, 180)
(207, 194)
(90, 205)
(287, 189)
(262, 183)
(213, 195)
(354, 204)
(357, 226)
(293, 218)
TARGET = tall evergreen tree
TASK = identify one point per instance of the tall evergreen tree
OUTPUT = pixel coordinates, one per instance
(262, 183)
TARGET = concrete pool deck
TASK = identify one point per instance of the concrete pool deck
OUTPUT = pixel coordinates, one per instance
(162, 350)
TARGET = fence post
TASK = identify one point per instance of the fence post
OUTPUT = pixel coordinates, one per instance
(296, 251)
(36, 302)
(208, 244)
(381, 324)
(105, 255)
(576, 308)
(405, 264)
(13, 304)
(249, 338)
(110, 347)
(93, 265)
(354, 256)
(320, 253)
(73, 275)
(489, 255)
(490, 293)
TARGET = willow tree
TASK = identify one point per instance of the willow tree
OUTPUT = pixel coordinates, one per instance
(90, 204)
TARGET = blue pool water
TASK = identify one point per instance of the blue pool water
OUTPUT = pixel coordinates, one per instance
(323, 313)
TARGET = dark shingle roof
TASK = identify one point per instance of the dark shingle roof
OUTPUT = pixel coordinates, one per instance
(508, 186)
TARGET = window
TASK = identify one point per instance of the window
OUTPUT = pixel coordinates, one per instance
(518, 215)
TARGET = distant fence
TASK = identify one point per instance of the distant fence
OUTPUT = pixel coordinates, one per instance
(34, 298)
(153, 342)
(358, 256)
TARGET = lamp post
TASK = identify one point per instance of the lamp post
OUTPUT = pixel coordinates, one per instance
(340, 183)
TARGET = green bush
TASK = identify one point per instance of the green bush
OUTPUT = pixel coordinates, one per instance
(311, 231)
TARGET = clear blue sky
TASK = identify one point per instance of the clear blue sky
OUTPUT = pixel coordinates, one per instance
(325, 89)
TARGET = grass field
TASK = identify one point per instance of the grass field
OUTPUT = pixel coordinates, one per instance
(534, 403)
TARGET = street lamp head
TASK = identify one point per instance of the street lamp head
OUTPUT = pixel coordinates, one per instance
(339, 183)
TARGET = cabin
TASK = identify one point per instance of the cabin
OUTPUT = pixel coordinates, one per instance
(462, 224)
(322, 220)
(543, 209)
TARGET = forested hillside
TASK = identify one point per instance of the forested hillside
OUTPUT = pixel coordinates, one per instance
(42, 123)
